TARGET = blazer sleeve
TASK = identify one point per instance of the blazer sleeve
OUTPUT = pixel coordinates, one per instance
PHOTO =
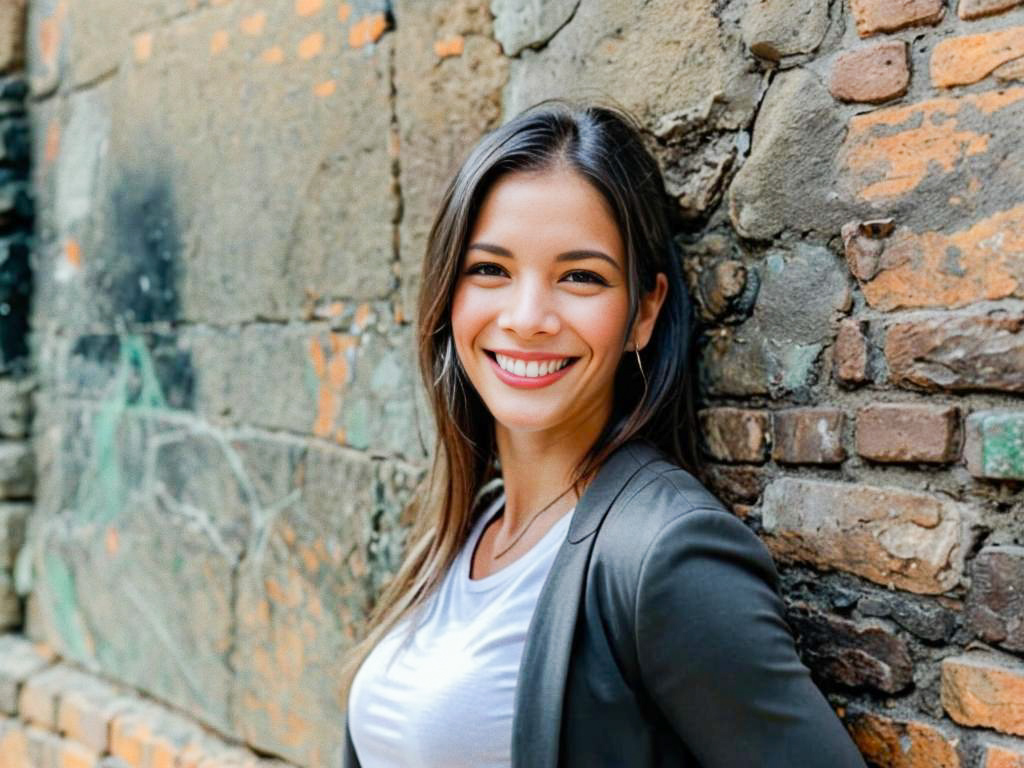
(717, 657)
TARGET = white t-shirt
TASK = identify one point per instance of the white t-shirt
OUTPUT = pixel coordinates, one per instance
(447, 699)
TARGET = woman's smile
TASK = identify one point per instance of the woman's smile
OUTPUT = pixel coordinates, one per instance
(518, 370)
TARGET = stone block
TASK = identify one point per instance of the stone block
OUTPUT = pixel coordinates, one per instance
(976, 9)
(902, 539)
(1012, 70)
(15, 407)
(71, 754)
(801, 297)
(17, 470)
(19, 660)
(850, 353)
(445, 101)
(995, 601)
(736, 434)
(522, 25)
(900, 743)
(775, 28)
(874, 16)
(874, 74)
(13, 522)
(808, 436)
(958, 353)
(796, 137)
(994, 445)
(737, 483)
(10, 604)
(970, 58)
(46, 41)
(898, 432)
(851, 653)
(983, 689)
(923, 617)
(12, 35)
(1003, 756)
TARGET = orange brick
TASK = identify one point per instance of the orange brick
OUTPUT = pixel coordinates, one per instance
(902, 743)
(71, 754)
(86, 715)
(999, 756)
(968, 59)
(985, 689)
(976, 9)
(874, 16)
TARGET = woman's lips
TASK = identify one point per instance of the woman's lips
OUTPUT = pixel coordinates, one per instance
(529, 382)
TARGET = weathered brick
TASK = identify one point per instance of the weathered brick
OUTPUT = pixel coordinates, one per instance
(976, 9)
(874, 16)
(737, 483)
(17, 470)
(776, 28)
(958, 352)
(995, 602)
(736, 434)
(19, 660)
(85, 713)
(994, 444)
(43, 747)
(13, 519)
(873, 74)
(896, 432)
(903, 743)
(970, 58)
(12, 34)
(71, 754)
(923, 617)
(808, 436)
(984, 689)
(853, 653)
(903, 539)
(14, 745)
(1001, 756)
(850, 353)
(40, 695)
(15, 407)
(1011, 70)
(890, 152)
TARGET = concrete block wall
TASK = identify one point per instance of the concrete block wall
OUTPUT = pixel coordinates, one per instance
(231, 199)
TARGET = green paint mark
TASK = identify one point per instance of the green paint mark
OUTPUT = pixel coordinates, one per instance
(65, 604)
(357, 423)
(103, 490)
(798, 364)
(1002, 445)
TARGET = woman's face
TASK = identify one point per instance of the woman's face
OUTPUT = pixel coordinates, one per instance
(541, 303)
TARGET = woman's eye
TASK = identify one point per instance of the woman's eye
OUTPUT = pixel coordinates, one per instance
(485, 269)
(582, 276)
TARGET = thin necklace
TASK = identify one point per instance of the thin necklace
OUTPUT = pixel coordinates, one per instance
(545, 508)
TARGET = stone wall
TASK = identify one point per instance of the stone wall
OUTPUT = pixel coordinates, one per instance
(232, 198)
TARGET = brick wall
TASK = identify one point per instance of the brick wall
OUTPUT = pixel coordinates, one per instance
(231, 200)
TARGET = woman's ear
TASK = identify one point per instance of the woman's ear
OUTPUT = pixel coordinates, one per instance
(647, 312)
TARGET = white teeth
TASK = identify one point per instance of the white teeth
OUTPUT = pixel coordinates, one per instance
(531, 369)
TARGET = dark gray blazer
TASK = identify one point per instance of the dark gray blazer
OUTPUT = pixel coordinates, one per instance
(659, 639)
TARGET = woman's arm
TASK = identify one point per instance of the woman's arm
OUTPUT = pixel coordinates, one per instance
(717, 656)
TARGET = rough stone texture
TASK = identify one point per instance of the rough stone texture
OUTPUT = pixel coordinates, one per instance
(895, 432)
(976, 9)
(1013, 70)
(995, 602)
(776, 28)
(968, 59)
(19, 660)
(529, 25)
(776, 351)
(985, 689)
(443, 105)
(17, 477)
(905, 539)
(15, 406)
(850, 354)
(958, 352)
(736, 434)
(994, 446)
(737, 483)
(808, 436)
(46, 44)
(903, 743)
(12, 34)
(861, 653)
(920, 616)
(873, 74)
(998, 756)
(13, 519)
(796, 138)
(874, 16)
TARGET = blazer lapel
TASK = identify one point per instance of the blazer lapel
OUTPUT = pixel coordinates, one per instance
(540, 685)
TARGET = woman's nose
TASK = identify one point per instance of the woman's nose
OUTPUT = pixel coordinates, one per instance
(529, 310)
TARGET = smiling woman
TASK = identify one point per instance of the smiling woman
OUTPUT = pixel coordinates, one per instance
(572, 594)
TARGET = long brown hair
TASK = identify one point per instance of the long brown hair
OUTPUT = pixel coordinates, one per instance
(605, 146)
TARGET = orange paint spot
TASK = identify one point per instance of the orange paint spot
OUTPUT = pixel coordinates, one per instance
(311, 45)
(52, 144)
(891, 151)
(317, 357)
(399, 314)
(274, 591)
(970, 58)
(333, 374)
(325, 408)
(367, 30)
(308, 7)
(453, 46)
(273, 55)
(344, 11)
(309, 559)
(339, 437)
(362, 315)
(142, 44)
(324, 89)
(335, 309)
(112, 541)
(934, 269)
(219, 41)
(288, 534)
(73, 252)
(253, 24)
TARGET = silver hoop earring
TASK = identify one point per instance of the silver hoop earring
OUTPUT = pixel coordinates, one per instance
(640, 365)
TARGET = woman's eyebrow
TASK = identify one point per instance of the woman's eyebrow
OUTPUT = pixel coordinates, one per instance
(575, 255)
